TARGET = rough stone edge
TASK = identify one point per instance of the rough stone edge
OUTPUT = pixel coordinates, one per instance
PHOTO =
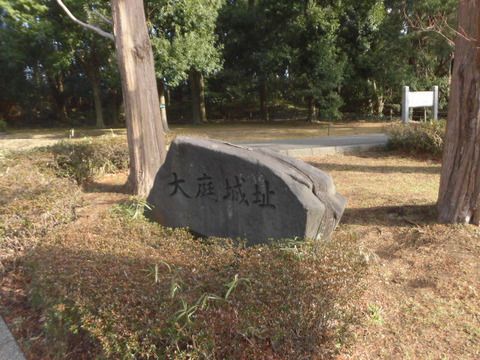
(336, 201)
(9, 349)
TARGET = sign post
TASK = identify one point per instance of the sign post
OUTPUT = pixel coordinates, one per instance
(415, 99)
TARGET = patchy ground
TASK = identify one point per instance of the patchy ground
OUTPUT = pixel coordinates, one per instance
(28, 139)
(99, 265)
(422, 299)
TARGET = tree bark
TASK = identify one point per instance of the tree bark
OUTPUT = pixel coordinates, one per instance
(97, 99)
(163, 106)
(57, 89)
(379, 99)
(263, 101)
(459, 194)
(146, 139)
(91, 67)
(312, 110)
(201, 97)
(195, 92)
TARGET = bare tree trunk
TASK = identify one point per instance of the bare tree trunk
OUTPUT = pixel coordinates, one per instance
(379, 100)
(312, 110)
(201, 97)
(263, 101)
(163, 105)
(91, 68)
(58, 93)
(97, 99)
(146, 139)
(459, 194)
(195, 92)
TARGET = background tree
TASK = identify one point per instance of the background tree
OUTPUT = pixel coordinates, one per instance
(146, 140)
(243, 59)
(185, 46)
(317, 64)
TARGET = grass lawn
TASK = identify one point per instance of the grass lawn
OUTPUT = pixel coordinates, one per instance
(85, 275)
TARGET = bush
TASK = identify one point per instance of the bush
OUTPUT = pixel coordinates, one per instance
(85, 159)
(3, 125)
(418, 138)
(33, 202)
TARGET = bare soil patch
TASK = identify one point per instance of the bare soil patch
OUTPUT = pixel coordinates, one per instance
(422, 298)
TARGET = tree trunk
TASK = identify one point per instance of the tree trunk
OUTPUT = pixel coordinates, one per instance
(201, 97)
(146, 139)
(379, 100)
(91, 67)
(459, 194)
(163, 106)
(195, 91)
(263, 101)
(312, 110)
(58, 93)
(97, 99)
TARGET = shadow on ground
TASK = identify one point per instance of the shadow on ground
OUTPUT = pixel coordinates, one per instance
(102, 187)
(391, 215)
(379, 169)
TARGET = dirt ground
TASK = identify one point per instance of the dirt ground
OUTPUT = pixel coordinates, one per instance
(422, 296)
(28, 139)
(422, 299)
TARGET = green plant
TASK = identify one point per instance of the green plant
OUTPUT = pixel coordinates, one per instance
(418, 138)
(375, 313)
(133, 208)
(3, 125)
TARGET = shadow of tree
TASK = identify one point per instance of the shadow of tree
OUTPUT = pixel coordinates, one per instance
(100, 187)
(385, 169)
(391, 215)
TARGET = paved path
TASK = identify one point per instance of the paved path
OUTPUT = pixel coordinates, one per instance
(9, 349)
(323, 145)
(309, 146)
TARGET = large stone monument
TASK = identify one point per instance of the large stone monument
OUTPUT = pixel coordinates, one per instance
(219, 189)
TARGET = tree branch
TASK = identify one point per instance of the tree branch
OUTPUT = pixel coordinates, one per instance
(85, 25)
(437, 24)
(103, 17)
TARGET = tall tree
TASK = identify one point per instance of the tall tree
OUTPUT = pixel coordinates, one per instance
(317, 64)
(459, 194)
(185, 45)
(146, 139)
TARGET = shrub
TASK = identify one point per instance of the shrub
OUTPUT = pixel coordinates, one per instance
(3, 125)
(33, 202)
(418, 138)
(83, 160)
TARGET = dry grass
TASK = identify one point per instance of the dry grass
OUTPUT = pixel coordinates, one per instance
(109, 283)
(27, 139)
(422, 298)
(278, 130)
(105, 284)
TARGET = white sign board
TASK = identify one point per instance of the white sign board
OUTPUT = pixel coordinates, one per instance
(417, 99)
(420, 99)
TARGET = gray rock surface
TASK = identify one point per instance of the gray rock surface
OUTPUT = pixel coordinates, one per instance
(219, 189)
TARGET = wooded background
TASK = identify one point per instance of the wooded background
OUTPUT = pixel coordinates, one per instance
(227, 60)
